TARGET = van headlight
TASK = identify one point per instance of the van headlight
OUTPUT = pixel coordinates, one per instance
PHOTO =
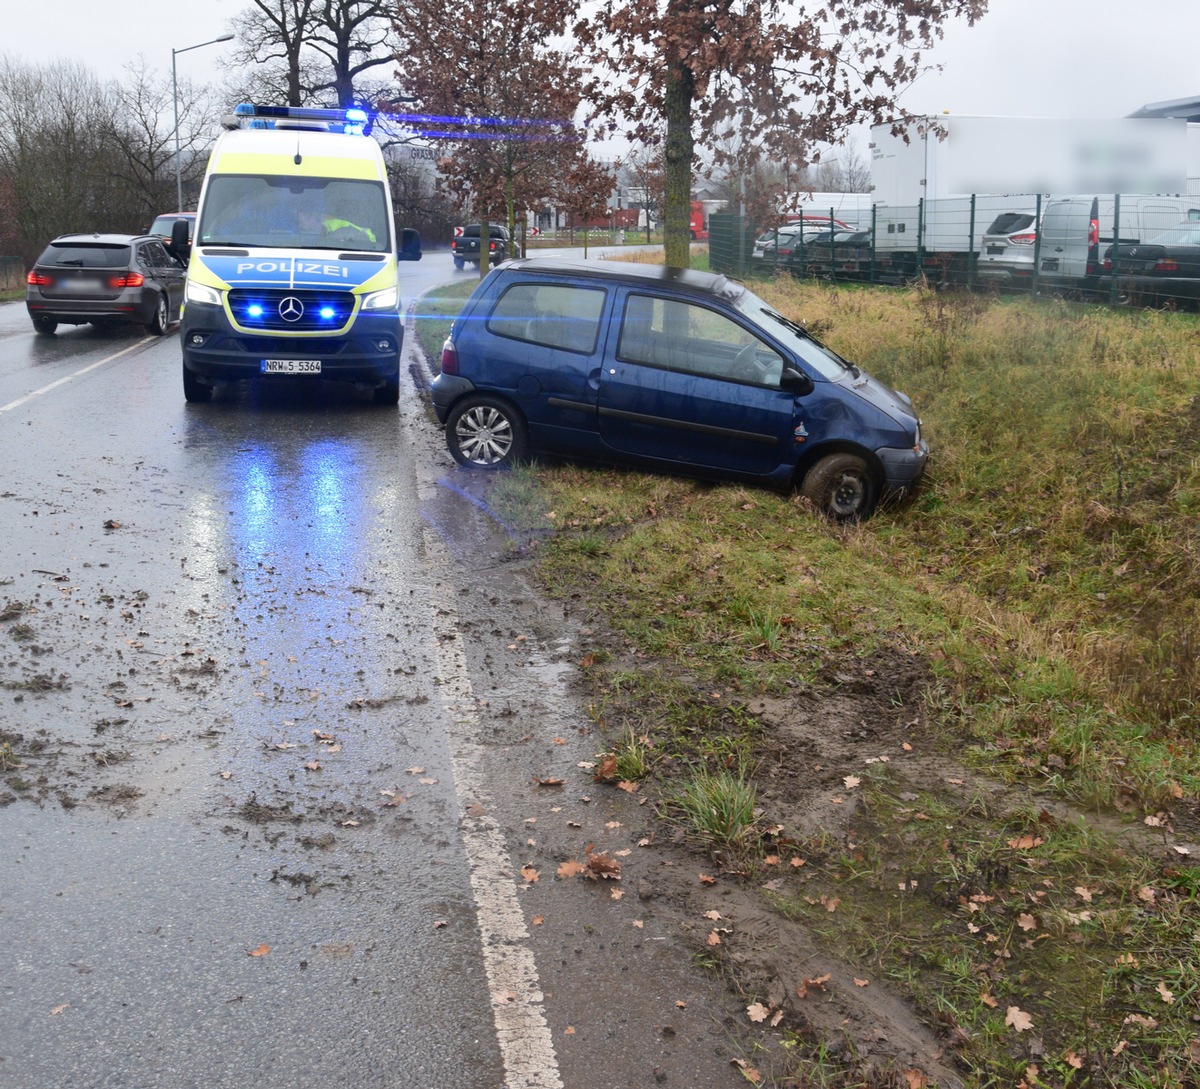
(199, 293)
(387, 299)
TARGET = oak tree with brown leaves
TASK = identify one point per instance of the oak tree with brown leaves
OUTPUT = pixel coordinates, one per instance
(498, 103)
(786, 76)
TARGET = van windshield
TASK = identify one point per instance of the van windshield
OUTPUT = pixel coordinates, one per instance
(294, 213)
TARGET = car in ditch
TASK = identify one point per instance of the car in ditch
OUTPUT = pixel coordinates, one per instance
(673, 370)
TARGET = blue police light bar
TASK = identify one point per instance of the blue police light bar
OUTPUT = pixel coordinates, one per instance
(354, 120)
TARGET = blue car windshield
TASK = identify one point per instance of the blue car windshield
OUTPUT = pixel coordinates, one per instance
(828, 364)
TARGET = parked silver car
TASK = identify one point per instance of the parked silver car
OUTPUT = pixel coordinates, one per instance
(1006, 251)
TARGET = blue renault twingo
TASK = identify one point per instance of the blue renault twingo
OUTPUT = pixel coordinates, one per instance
(669, 369)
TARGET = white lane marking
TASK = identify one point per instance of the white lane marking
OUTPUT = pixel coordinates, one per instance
(526, 1046)
(74, 374)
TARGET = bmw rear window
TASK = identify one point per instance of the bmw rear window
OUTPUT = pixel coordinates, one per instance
(85, 255)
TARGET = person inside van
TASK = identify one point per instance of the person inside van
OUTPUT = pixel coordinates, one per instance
(314, 224)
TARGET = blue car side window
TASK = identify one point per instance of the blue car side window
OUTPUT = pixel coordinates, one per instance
(552, 315)
(675, 335)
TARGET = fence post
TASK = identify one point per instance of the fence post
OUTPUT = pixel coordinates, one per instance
(1112, 279)
(920, 271)
(874, 218)
(1037, 246)
(971, 256)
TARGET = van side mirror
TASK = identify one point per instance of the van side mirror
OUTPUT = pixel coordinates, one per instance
(179, 247)
(410, 245)
(796, 382)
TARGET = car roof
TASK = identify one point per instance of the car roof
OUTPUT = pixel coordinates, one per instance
(683, 279)
(106, 239)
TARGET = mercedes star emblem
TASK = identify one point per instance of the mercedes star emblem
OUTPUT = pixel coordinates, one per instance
(291, 309)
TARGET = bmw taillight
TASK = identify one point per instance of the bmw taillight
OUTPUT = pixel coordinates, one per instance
(449, 357)
(127, 279)
(38, 279)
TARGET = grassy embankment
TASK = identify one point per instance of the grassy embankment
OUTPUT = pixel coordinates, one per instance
(1047, 575)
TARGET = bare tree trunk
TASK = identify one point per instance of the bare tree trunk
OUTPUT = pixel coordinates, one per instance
(681, 87)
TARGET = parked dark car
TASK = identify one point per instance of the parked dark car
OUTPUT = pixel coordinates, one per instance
(841, 255)
(775, 249)
(466, 247)
(104, 279)
(163, 224)
(670, 369)
(1164, 269)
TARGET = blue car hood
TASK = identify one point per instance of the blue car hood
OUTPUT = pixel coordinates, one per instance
(896, 404)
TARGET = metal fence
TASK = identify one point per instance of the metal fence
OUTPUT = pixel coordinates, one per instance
(12, 273)
(1061, 244)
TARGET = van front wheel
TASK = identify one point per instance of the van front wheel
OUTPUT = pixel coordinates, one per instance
(486, 433)
(841, 487)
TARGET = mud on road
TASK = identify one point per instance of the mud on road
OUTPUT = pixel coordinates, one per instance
(767, 983)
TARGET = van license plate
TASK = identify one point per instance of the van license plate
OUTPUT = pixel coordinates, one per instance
(291, 366)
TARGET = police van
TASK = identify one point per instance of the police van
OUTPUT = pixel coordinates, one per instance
(292, 270)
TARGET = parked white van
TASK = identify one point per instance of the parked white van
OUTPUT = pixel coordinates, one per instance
(1075, 232)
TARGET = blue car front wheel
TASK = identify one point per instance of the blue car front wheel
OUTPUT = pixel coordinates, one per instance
(842, 487)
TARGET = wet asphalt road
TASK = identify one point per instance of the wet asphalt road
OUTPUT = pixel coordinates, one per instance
(281, 697)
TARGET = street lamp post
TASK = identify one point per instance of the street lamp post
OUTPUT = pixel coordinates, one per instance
(175, 99)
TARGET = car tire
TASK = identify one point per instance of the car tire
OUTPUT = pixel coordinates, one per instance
(841, 487)
(157, 325)
(459, 263)
(194, 391)
(484, 432)
(45, 325)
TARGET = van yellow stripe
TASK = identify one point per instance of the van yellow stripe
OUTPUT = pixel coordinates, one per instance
(311, 166)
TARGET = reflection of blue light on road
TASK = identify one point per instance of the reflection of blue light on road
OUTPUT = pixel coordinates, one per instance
(324, 473)
(258, 499)
(295, 509)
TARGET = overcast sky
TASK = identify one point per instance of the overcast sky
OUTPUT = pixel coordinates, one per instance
(1026, 58)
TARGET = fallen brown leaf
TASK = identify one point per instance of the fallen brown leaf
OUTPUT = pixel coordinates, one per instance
(600, 865)
(1018, 1019)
